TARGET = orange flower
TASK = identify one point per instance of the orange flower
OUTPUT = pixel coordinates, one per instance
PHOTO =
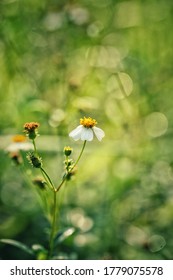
(18, 138)
(31, 126)
(31, 129)
(19, 143)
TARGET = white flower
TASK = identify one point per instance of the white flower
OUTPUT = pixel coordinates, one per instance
(86, 130)
(19, 144)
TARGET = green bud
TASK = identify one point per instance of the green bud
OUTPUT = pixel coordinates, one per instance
(68, 162)
(67, 151)
(70, 175)
(32, 135)
(35, 161)
(39, 182)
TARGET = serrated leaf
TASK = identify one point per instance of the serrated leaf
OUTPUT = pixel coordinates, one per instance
(17, 244)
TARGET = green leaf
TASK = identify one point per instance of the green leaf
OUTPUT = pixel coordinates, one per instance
(62, 235)
(18, 245)
(38, 247)
(40, 251)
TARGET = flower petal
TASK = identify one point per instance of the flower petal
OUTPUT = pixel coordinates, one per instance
(76, 133)
(15, 147)
(99, 133)
(87, 134)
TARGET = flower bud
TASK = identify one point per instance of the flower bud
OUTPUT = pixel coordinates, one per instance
(16, 158)
(70, 174)
(31, 129)
(68, 162)
(35, 161)
(67, 151)
(39, 182)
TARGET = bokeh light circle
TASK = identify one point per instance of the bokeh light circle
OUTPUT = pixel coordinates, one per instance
(156, 124)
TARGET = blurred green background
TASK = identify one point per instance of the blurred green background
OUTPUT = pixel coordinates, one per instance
(110, 60)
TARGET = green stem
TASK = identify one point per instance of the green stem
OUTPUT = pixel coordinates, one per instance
(45, 175)
(35, 148)
(83, 147)
(76, 162)
(52, 187)
(47, 178)
(62, 182)
(51, 242)
(66, 158)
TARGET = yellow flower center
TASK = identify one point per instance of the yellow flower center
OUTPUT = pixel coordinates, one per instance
(88, 122)
(19, 138)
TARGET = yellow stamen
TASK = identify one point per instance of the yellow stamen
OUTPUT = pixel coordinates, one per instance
(88, 122)
(67, 150)
(19, 138)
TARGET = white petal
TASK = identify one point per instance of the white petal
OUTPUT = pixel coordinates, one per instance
(76, 133)
(26, 146)
(12, 148)
(99, 133)
(15, 147)
(87, 134)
